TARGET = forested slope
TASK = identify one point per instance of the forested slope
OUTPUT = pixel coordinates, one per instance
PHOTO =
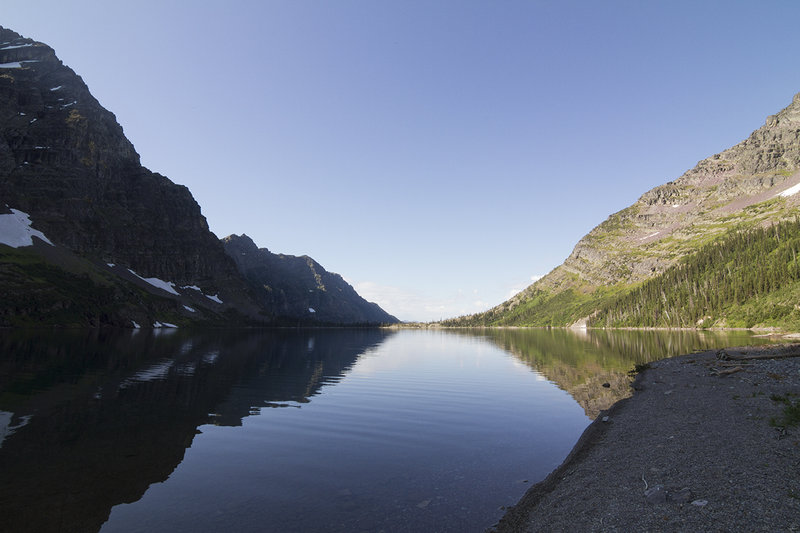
(746, 279)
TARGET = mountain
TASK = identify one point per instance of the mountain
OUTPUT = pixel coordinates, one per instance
(298, 288)
(749, 278)
(753, 184)
(88, 236)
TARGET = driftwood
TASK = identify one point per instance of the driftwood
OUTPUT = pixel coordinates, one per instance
(728, 371)
(766, 355)
(725, 364)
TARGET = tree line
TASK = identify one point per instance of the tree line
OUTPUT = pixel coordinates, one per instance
(745, 279)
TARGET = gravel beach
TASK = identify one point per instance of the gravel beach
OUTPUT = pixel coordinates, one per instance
(702, 445)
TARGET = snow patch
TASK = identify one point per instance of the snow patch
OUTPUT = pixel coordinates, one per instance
(158, 325)
(790, 191)
(111, 265)
(6, 429)
(214, 298)
(651, 235)
(198, 289)
(135, 325)
(189, 309)
(16, 230)
(311, 310)
(56, 88)
(158, 283)
(16, 46)
(676, 205)
(18, 64)
(5, 425)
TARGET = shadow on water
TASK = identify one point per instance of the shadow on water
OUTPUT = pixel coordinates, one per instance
(581, 361)
(89, 420)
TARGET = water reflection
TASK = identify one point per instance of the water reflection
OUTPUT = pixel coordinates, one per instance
(89, 420)
(582, 361)
(425, 430)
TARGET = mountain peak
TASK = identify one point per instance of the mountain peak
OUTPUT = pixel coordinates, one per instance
(242, 243)
(129, 245)
(292, 286)
(17, 51)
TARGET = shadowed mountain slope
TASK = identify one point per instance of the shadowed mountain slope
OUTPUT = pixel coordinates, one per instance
(298, 288)
(88, 236)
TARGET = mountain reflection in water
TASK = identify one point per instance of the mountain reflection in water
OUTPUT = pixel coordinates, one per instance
(580, 361)
(109, 413)
(423, 430)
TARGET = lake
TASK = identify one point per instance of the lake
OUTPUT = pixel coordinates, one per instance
(299, 430)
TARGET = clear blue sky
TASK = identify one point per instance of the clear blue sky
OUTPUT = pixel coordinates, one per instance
(437, 154)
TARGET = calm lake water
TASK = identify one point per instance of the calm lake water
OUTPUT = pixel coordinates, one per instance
(317, 430)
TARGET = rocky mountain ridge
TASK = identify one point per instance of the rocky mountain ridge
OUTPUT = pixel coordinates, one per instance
(299, 287)
(750, 184)
(134, 244)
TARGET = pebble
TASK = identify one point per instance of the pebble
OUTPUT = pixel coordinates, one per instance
(682, 496)
(656, 494)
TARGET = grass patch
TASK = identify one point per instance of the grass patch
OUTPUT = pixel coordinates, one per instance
(638, 368)
(791, 412)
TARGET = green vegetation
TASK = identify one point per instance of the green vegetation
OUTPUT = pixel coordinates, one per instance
(39, 293)
(745, 279)
(791, 412)
(638, 368)
(548, 309)
(36, 293)
(543, 308)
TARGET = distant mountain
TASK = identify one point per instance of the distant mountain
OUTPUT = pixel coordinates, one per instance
(298, 288)
(753, 184)
(88, 236)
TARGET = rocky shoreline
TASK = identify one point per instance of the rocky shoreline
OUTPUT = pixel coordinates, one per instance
(704, 444)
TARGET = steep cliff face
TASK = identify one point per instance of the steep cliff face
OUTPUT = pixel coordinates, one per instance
(299, 288)
(753, 183)
(89, 237)
(65, 161)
